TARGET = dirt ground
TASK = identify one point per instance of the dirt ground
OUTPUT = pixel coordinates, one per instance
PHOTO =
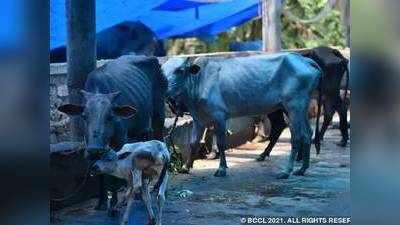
(249, 190)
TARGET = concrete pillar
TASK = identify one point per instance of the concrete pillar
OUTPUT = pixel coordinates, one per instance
(81, 52)
(271, 25)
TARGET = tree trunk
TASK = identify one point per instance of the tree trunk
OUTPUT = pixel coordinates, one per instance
(81, 52)
(271, 29)
(346, 19)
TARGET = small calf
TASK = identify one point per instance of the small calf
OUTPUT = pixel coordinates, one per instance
(142, 165)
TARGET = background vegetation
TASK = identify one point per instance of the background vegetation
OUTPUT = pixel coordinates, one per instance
(328, 31)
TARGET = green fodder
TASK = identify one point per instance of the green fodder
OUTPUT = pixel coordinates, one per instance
(176, 160)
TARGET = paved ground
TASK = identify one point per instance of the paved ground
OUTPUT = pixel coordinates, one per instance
(249, 190)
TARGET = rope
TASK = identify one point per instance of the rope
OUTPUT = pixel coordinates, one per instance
(320, 16)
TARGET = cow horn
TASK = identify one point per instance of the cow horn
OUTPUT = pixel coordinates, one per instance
(113, 95)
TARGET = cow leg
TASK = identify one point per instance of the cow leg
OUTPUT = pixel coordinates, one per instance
(161, 198)
(341, 108)
(220, 133)
(305, 140)
(111, 206)
(300, 133)
(147, 201)
(278, 124)
(113, 184)
(299, 155)
(209, 143)
(197, 133)
(261, 130)
(102, 193)
(130, 198)
(329, 110)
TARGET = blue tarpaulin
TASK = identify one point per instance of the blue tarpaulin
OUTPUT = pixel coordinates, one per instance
(167, 18)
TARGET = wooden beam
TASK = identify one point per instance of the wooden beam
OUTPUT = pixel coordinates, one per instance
(81, 51)
(271, 25)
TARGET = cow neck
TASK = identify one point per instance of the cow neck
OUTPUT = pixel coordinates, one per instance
(192, 89)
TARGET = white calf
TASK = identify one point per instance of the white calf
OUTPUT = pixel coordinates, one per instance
(142, 165)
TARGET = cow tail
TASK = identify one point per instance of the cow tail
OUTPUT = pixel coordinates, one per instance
(347, 82)
(317, 140)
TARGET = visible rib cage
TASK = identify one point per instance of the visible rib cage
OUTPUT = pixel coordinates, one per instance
(141, 85)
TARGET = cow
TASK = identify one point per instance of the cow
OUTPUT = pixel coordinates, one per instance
(123, 102)
(214, 89)
(142, 165)
(246, 46)
(121, 39)
(334, 65)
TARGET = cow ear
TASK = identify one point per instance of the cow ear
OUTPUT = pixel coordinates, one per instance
(125, 111)
(194, 69)
(71, 109)
(124, 155)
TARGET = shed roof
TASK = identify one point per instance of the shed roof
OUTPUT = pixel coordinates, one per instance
(167, 18)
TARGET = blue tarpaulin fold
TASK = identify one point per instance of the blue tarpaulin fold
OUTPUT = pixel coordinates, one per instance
(167, 18)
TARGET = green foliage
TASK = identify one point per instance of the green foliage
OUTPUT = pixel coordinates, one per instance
(176, 160)
(294, 34)
(298, 35)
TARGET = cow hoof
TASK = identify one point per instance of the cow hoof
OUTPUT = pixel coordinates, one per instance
(260, 158)
(184, 169)
(299, 172)
(282, 175)
(220, 173)
(112, 213)
(101, 207)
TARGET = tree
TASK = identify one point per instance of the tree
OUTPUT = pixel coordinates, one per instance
(328, 31)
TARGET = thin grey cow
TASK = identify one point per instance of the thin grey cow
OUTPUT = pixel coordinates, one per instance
(216, 89)
(142, 165)
(124, 102)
